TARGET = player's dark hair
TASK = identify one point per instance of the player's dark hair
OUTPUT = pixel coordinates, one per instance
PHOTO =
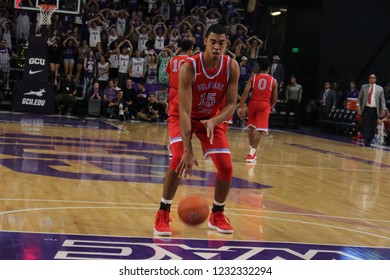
(218, 29)
(186, 45)
(264, 64)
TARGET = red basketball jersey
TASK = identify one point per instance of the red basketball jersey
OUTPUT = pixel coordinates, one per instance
(209, 86)
(172, 69)
(262, 86)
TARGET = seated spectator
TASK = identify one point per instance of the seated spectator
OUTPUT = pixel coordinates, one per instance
(117, 107)
(130, 95)
(109, 94)
(66, 93)
(142, 96)
(383, 134)
(162, 100)
(96, 92)
(351, 96)
(150, 111)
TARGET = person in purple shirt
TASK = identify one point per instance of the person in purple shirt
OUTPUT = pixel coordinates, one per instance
(109, 94)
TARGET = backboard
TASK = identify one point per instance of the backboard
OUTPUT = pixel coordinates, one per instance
(71, 7)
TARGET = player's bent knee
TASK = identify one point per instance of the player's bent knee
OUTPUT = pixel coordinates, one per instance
(223, 163)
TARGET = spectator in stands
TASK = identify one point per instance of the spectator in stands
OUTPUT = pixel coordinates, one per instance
(95, 31)
(212, 16)
(82, 54)
(163, 59)
(55, 54)
(130, 95)
(118, 107)
(162, 100)
(70, 50)
(238, 47)
(5, 62)
(160, 36)
(90, 67)
(198, 34)
(327, 100)
(109, 93)
(277, 71)
(22, 25)
(151, 76)
(7, 30)
(124, 51)
(102, 72)
(252, 51)
(143, 36)
(98, 52)
(121, 23)
(137, 68)
(113, 60)
(293, 101)
(96, 92)
(174, 37)
(66, 93)
(370, 104)
(142, 96)
(150, 110)
(112, 35)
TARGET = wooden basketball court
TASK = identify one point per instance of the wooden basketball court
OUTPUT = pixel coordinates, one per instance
(82, 179)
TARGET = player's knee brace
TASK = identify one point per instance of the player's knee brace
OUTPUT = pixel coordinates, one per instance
(223, 163)
(177, 153)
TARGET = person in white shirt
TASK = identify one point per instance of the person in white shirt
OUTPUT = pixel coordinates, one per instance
(137, 68)
(95, 30)
(124, 52)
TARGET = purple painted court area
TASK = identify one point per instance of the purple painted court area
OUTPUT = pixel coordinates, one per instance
(31, 120)
(39, 246)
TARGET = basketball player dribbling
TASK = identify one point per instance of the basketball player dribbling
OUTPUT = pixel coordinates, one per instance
(206, 82)
(264, 97)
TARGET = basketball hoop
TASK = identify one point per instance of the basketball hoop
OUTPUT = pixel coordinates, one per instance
(46, 11)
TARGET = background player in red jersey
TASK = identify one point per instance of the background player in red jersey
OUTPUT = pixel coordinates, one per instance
(264, 97)
(172, 70)
(206, 81)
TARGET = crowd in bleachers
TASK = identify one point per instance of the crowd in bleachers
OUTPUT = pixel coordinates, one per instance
(121, 40)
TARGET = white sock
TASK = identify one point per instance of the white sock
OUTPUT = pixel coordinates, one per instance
(252, 151)
(219, 203)
(166, 201)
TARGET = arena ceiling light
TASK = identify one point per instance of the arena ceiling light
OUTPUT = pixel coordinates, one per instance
(278, 12)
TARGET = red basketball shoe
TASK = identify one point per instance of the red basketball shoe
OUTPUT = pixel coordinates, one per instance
(219, 222)
(250, 158)
(161, 223)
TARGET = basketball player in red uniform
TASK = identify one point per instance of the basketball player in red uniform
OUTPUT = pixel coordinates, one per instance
(172, 70)
(264, 97)
(206, 81)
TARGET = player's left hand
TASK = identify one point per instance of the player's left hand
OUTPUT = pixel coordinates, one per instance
(209, 124)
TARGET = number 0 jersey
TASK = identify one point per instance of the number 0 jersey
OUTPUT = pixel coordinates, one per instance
(262, 86)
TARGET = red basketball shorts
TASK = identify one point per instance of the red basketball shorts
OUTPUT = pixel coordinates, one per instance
(220, 144)
(258, 115)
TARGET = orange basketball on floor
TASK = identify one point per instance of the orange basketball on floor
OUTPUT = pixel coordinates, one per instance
(193, 210)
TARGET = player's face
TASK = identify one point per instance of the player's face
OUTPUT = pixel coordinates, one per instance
(215, 45)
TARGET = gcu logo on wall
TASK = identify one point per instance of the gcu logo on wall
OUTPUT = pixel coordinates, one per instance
(37, 61)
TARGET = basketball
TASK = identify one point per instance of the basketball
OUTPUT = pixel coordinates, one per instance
(193, 210)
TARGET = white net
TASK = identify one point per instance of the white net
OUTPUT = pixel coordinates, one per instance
(45, 12)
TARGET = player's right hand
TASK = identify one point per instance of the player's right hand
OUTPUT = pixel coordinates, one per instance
(186, 163)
